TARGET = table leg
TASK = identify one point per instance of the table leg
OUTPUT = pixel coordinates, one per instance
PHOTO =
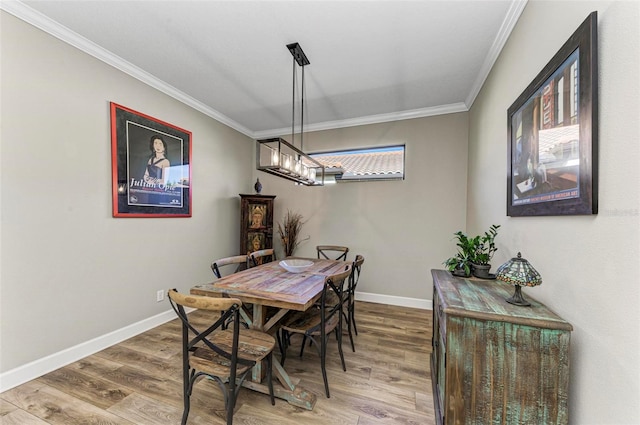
(292, 393)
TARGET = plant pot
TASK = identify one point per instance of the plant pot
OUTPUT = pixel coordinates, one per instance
(460, 273)
(482, 271)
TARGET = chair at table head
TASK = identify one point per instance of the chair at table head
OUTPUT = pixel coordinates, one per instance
(319, 321)
(229, 265)
(262, 256)
(225, 356)
(351, 297)
(332, 252)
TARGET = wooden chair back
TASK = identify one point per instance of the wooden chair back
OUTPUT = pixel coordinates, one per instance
(240, 262)
(355, 273)
(262, 256)
(332, 252)
(350, 300)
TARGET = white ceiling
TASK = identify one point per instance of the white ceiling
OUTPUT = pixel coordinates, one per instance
(371, 61)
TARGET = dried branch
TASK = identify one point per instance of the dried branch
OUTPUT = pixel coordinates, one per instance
(289, 232)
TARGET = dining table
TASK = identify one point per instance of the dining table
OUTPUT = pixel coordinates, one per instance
(272, 292)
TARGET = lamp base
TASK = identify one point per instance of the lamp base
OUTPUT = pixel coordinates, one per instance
(518, 299)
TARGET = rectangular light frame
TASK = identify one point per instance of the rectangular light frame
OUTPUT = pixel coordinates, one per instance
(278, 157)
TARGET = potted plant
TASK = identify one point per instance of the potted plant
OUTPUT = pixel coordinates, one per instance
(474, 254)
(461, 263)
(484, 248)
(289, 231)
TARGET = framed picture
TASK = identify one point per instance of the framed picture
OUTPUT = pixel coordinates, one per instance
(257, 216)
(255, 242)
(553, 134)
(150, 166)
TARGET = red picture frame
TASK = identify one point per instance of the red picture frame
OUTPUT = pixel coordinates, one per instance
(151, 166)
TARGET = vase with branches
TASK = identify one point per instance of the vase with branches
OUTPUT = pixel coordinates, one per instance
(289, 231)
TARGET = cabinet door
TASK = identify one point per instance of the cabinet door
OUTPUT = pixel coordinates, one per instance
(256, 223)
(438, 359)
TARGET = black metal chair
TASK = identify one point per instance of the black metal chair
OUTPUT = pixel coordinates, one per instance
(337, 252)
(240, 262)
(350, 301)
(226, 356)
(262, 256)
(319, 321)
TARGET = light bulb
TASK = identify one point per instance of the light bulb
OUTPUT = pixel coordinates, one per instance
(287, 162)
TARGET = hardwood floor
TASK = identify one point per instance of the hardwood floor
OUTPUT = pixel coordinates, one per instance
(139, 381)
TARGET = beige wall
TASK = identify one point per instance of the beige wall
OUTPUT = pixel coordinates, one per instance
(70, 272)
(78, 278)
(66, 263)
(589, 264)
(403, 228)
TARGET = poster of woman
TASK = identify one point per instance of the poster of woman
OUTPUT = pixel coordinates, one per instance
(150, 166)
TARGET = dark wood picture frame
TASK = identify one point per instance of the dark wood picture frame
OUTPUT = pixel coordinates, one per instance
(151, 166)
(553, 134)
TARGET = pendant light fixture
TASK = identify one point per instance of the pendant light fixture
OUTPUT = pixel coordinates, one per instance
(281, 158)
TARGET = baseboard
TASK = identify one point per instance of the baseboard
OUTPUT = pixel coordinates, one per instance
(37, 368)
(393, 300)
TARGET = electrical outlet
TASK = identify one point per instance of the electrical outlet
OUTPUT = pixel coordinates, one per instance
(160, 295)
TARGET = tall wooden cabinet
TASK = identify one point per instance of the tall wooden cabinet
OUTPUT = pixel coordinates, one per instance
(256, 222)
(494, 362)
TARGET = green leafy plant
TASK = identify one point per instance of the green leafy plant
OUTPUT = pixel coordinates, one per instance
(463, 258)
(472, 250)
(485, 245)
(459, 263)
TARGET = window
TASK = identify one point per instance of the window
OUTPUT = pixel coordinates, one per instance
(385, 163)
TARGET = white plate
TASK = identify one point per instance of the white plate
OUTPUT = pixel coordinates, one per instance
(295, 265)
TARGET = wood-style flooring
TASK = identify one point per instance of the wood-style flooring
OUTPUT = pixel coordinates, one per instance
(139, 381)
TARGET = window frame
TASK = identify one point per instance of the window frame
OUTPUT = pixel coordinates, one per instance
(336, 175)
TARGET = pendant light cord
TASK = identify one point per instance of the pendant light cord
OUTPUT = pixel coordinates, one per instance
(293, 104)
(293, 109)
(302, 112)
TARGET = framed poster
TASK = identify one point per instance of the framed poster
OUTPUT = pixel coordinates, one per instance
(255, 242)
(150, 166)
(553, 134)
(257, 216)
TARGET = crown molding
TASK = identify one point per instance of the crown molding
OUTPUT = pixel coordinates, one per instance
(35, 18)
(510, 21)
(371, 119)
(40, 21)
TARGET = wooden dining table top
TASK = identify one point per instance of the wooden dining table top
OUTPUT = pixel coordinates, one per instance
(271, 285)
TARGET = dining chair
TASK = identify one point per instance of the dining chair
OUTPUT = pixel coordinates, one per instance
(332, 252)
(223, 356)
(239, 261)
(318, 322)
(350, 300)
(262, 256)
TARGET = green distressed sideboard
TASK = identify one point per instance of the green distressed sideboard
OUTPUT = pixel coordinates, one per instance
(494, 362)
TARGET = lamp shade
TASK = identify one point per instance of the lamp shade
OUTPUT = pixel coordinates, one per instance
(518, 271)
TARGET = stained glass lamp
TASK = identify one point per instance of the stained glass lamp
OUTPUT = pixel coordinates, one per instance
(518, 272)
